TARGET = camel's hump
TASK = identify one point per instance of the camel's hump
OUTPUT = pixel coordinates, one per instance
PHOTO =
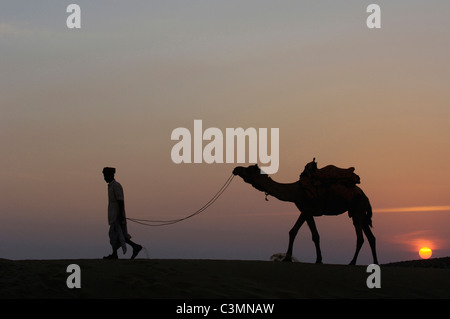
(334, 172)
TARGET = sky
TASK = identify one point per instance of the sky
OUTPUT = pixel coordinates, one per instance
(110, 94)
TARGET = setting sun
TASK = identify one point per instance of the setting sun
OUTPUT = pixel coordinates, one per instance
(425, 252)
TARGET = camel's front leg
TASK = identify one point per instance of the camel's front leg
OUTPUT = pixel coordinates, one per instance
(315, 238)
(292, 233)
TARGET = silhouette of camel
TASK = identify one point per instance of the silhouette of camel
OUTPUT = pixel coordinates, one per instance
(331, 199)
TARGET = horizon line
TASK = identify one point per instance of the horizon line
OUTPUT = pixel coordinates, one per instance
(406, 209)
(413, 209)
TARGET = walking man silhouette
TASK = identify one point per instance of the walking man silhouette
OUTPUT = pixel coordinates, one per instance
(118, 234)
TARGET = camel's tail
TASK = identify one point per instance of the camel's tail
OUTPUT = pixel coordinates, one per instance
(368, 211)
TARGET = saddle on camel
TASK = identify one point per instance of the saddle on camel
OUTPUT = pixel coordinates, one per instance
(314, 179)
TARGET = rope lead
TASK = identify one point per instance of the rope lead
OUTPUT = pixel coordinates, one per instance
(155, 223)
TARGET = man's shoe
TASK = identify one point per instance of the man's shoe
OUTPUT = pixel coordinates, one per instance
(111, 257)
(136, 251)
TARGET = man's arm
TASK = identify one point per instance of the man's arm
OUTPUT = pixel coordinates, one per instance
(121, 216)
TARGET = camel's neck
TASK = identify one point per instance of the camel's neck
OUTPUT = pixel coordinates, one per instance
(286, 192)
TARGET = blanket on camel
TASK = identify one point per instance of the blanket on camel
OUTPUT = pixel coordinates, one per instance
(329, 174)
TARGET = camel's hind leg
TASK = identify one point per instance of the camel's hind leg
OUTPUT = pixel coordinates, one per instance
(360, 226)
(371, 239)
(359, 239)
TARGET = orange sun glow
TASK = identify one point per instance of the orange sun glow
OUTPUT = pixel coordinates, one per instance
(425, 252)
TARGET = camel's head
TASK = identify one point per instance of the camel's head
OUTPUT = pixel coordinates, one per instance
(247, 173)
(253, 176)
